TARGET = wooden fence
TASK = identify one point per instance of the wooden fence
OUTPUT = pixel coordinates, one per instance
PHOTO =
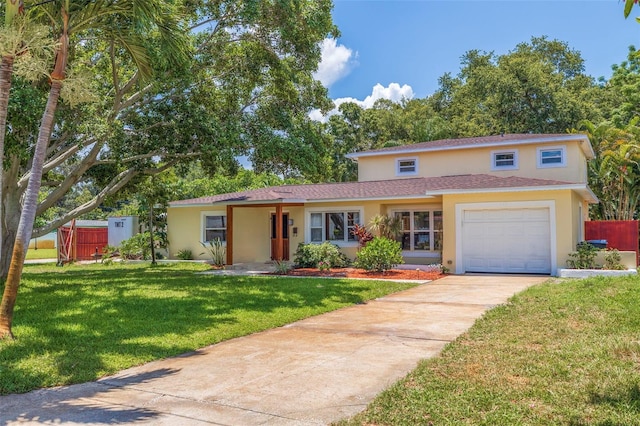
(81, 243)
(620, 234)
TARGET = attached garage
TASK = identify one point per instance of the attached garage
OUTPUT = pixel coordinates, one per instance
(506, 238)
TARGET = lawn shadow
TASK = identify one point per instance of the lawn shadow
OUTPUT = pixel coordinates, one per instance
(85, 403)
(83, 318)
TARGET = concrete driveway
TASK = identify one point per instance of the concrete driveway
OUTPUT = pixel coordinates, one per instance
(313, 371)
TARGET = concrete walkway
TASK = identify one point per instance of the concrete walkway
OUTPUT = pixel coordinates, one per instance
(311, 372)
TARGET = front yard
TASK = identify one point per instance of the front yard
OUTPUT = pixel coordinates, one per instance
(562, 353)
(80, 322)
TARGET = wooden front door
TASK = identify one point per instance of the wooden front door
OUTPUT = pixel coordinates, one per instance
(285, 236)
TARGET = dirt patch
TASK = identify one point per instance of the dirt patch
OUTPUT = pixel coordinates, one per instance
(393, 274)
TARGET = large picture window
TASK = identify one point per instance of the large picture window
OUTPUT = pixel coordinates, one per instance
(215, 227)
(333, 226)
(421, 230)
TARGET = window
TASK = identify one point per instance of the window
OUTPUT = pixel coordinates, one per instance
(552, 157)
(406, 166)
(504, 160)
(333, 226)
(215, 226)
(421, 230)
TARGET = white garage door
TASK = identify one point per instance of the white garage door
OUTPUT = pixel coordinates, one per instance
(506, 240)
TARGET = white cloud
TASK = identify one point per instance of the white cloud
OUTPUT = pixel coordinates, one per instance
(337, 61)
(394, 92)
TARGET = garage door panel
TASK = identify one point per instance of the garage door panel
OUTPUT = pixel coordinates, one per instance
(506, 240)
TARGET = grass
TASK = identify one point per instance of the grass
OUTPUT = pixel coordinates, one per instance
(80, 322)
(42, 253)
(565, 353)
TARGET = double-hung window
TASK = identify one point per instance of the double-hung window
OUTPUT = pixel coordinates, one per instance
(504, 160)
(552, 157)
(406, 166)
(334, 226)
(214, 227)
(421, 230)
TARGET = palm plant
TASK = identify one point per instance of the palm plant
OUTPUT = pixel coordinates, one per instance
(615, 170)
(387, 226)
(65, 18)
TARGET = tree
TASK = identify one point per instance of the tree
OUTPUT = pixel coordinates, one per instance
(81, 14)
(614, 173)
(249, 83)
(538, 87)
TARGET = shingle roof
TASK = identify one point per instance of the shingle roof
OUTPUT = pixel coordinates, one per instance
(494, 140)
(384, 189)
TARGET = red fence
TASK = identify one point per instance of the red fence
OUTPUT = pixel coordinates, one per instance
(620, 234)
(81, 243)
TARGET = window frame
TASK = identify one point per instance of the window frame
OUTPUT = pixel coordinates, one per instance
(496, 167)
(433, 233)
(399, 171)
(325, 213)
(563, 153)
(203, 225)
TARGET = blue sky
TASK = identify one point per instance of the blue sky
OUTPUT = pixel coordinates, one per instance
(392, 49)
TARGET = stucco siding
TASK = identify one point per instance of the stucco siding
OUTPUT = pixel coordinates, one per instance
(565, 212)
(478, 161)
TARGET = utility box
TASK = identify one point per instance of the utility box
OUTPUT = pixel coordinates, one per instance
(122, 228)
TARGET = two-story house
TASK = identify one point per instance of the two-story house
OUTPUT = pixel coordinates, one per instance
(506, 203)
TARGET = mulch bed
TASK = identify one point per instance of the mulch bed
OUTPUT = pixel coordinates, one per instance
(393, 274)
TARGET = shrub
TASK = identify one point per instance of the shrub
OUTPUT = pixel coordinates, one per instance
(108, 252)
(584, 257)
(136, 247)
(185, 254)
(380, 254)
(282, 267)
(362, 234)
(310, 255)
(217, 251)
(612, 260)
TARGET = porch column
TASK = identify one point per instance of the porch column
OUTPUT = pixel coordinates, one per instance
(229, 235)
(277, 255)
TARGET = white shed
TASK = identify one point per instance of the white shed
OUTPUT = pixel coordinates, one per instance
(122, 228)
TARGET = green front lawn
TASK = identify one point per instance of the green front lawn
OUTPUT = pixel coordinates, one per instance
(565, 353)
(80, 322)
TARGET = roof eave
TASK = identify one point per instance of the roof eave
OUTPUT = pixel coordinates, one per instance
(585, 145)
(580, 188)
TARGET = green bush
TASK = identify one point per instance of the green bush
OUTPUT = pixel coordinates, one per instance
(185, 254)
(310, 255)
(612, 260)
(136, 247)
(217, 251)
(380, 254)
(584, 257)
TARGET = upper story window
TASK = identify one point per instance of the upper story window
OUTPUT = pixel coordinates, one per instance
(504, 160)
(214, 227)
(406, 166)
(552, 157)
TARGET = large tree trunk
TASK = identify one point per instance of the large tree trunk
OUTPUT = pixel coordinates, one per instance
(30, 205)
(12, 207)
(28, 216)
(6, 72)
